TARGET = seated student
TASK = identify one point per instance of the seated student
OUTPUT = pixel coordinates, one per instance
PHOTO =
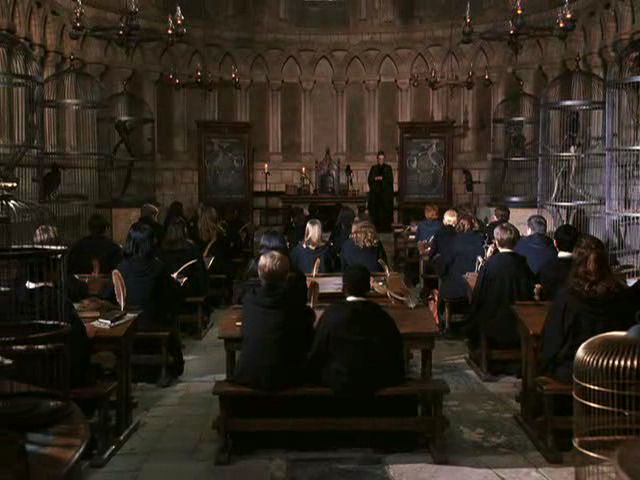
(555, 271)
(277, 330)
(467, 245)
(151, 289)
(175, 211)
(357, 347)
(94, 247)
(592, 302)
(212, 240)
(342, 229)
(501, 214)
(149, 216)
(175, 251)
(536, 247)
(363, 248)
(504, 279)
(304, 255)
(444, 236)
(294, 232)
(428, 227)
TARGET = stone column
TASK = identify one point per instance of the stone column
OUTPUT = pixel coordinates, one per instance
(282, 9)
(306, 119)
(404, 99)
(363, 10)
(275, 134)
(341, 117)
(371, 115)
(242, 101)
(210, 111)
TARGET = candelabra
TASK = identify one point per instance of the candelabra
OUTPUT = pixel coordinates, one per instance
(200, 80)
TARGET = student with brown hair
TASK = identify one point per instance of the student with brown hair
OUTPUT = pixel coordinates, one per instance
(501, 214)
(428, 227)
(363, 248)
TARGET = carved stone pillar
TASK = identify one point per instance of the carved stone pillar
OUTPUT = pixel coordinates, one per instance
(242, 101)
(371, 115)
(275, 133)
(404, 99)
(50, 63)
(211, 105)
(341, 117)
(306, 128)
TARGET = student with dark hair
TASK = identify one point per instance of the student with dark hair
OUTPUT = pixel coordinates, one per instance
(593, 302)
(554, 273)
(357, 347)
(536, 247)
(304, 255)
(174, 212)
(342, 229)
(501, 214)
(294, 232)
(96, 249)
(380, 201)
(151, 289)
(277, 330)
(504, 279)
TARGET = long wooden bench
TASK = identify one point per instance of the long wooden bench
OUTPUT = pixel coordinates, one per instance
(199, 317)
(160, 342)
(554, 422)
(481, 360)
(428, 421)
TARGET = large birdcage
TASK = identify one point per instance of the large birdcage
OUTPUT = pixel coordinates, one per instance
(606, 401)
(623, 160)
(572, 154)
(514, 155)
(131, 136)
(69, 179)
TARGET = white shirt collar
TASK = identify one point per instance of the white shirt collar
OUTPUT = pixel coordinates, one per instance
(351, 298)
(565, 254)
(505, 250)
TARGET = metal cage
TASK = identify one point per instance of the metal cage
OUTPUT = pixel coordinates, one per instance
(606, 401)
(623, 161)
(131, 136)
(69, 180)
(572, 154)
(514, 156)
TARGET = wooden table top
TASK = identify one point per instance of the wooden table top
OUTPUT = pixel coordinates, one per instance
(532, 315)
(412, 324)
(90, 312)
(332, 283)
(627, 460)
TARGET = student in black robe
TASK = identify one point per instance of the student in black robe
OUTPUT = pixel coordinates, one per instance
(357, 347)
(96, 247)
(501, 214)
(151, 289)
(342, 230)
(443, 238)
(277, 330)
(294, 232)
(431, 224)
(503, 280)
(174, 212)
(304, 255)
(554, 273)
(592, 303)
(149, 216)
(381, 194)
(214, 242)
(363, 248)
(536, 246)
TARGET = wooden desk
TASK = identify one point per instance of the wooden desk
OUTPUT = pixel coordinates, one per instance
(417, 327)
(330, 284)
(96, 284)
(52, 451)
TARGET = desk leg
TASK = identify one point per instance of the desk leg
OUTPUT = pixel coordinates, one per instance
(230, 355)
(426, 363)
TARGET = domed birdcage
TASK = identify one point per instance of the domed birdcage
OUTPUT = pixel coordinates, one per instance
(606, 401)
(514, 156)
(131, 135)
(572, 156)
(623, 161)
(69, 180)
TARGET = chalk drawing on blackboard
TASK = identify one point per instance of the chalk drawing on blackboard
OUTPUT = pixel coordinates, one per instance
(225, 161)
(425, 167)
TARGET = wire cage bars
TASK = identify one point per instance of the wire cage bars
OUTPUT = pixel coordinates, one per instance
(514, 157)
(606, 401)
(572, 154)
(623, 161)
(69, 180)
(131, 137)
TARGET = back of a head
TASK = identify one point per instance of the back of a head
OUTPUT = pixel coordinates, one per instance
(140, 241)
(273, 268)
(502, 213)
(431, 212)
(273, 241)
(97, 224)
(176, 209)
(175, 236)
(148, 210)
(450, 217)
(566, 237)
(313, 234)
(537, 224)
(356, 281)
(208, 223)
(506, 235)
(346, 217)
(46, 235)
(364, 235)
(466, 223)
(591, 274)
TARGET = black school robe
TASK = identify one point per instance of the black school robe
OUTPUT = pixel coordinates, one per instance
(357, 349)
(381, 197)
(277, 330)
(538, 250)
(553, 275)
(503, 280)
(573, 319)
(303, 258)
(98, 247)
(459, 259)
(352, 254)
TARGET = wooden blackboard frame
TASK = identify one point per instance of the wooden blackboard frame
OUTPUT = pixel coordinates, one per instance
(224, 130)
(441, 130)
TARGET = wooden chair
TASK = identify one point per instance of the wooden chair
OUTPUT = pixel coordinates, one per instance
(554, 423)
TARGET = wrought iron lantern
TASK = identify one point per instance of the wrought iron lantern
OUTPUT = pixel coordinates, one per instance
(572, 155)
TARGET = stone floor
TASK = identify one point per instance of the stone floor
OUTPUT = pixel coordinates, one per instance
(175, 440)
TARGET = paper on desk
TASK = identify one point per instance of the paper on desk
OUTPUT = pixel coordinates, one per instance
(126, 318)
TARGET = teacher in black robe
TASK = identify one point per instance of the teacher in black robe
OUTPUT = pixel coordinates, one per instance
(381, 194)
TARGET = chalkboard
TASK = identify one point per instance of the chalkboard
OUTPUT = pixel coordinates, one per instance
(225, 163)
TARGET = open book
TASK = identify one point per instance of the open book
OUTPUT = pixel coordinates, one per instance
(178, 276)
(208, 259)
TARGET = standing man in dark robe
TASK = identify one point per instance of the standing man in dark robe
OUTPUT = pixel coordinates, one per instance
(381, 194)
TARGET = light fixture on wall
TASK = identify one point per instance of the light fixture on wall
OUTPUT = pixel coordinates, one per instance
(448, 77)
(518, 30)
(200, 79)
(128, 32)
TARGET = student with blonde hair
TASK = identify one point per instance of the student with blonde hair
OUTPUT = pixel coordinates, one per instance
(305, 254)
(443, 238)
(363, 248)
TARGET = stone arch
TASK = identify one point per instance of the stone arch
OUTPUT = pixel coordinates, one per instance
(259, 69)
(291, 70)
(420, 65)
(323, 69)
(387, 69)
(480, 59)
(20, 15)
(355, 70)
(226, 64)
(36, 25)
(51, 37)
(196, 59)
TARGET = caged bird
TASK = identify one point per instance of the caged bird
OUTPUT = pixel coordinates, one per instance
(124, 132)
(50, 183)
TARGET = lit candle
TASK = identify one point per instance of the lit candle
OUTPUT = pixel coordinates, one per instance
(303, 170)
(266, 168)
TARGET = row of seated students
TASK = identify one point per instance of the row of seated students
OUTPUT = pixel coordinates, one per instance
(355, 347)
